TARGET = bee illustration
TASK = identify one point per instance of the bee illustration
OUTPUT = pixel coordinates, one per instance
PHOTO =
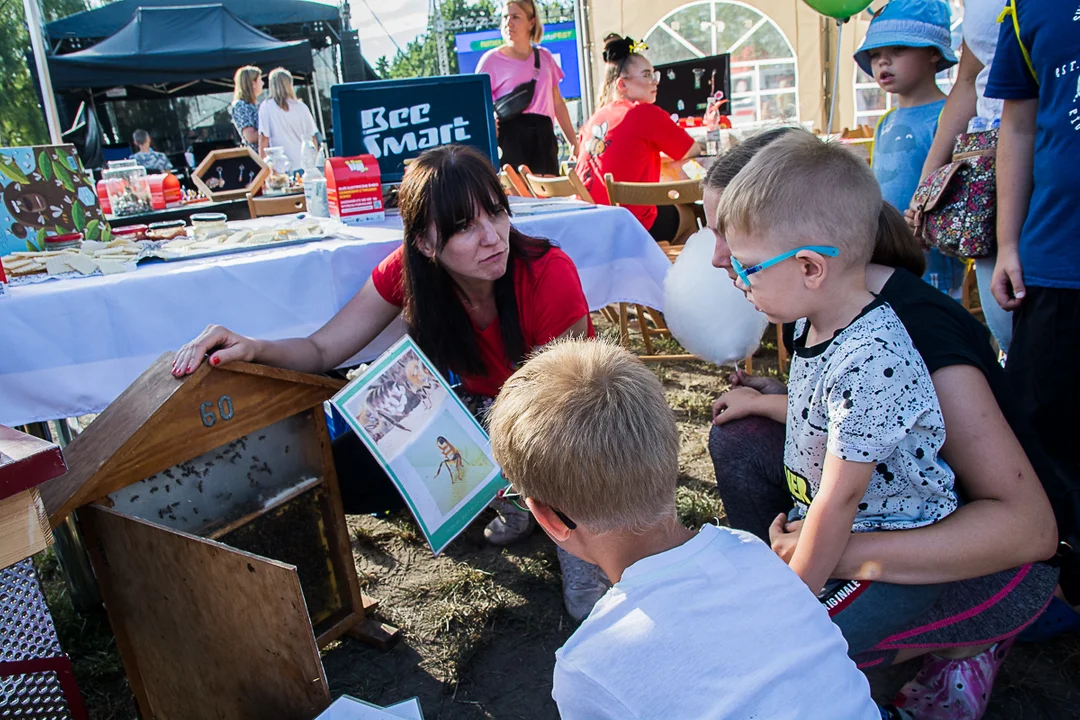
(598, 144)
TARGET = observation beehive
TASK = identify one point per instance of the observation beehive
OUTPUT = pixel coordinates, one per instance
(214, 524)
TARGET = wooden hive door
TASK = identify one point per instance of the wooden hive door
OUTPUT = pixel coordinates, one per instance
(204, 630)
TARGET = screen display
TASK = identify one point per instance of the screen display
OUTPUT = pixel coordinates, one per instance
(560, 39)
(396, 120)
(686, 86)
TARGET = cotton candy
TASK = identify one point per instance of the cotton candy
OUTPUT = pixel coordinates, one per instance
(706, 313)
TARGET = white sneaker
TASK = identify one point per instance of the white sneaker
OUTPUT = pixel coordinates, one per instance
(510, 526)
(582, 584)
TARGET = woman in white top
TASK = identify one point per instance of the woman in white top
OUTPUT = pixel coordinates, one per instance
(285, 121)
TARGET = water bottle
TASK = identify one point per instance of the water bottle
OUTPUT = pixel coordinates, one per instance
(995, 124)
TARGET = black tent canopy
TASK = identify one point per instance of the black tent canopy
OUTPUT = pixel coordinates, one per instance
(283, 19)
(175, 45)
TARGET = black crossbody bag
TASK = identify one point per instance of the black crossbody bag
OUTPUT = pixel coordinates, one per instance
(513, 104)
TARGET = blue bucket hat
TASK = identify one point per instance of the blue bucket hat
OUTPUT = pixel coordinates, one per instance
(910, 23)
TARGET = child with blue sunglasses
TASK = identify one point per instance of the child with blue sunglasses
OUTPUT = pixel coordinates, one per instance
(864, 427)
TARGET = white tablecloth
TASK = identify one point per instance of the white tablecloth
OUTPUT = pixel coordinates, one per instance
(70, 347)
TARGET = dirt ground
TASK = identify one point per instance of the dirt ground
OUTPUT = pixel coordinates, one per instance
(480, 624)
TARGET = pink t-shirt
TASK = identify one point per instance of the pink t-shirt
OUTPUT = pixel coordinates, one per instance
(507, 73)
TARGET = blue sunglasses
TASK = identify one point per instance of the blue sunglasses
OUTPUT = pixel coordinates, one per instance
(745, 273)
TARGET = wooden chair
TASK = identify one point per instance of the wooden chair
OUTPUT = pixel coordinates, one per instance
(683, 195)
(265, 206)
(549, 187)
(507, 186)
(521, 188)
(969, 293)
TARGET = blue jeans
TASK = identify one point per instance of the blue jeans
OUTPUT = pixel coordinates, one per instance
(998, 320)
(869, 612)
(945, 273)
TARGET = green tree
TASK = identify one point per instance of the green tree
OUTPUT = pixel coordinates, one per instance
(22, 119)
(420, 57)
(382, 67)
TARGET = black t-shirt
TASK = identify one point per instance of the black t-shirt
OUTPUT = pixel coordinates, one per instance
(946, 334)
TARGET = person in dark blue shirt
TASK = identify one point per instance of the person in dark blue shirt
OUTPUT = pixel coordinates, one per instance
(1036, 71)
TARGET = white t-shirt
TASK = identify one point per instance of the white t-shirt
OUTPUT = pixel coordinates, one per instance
(718, 627)
(981, 35)
(289, 129)
(866, 396)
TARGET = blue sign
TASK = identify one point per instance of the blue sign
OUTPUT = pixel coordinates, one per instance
(560, 40)
(396, 120)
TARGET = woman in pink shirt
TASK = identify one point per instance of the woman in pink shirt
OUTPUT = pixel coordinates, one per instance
(529, 138)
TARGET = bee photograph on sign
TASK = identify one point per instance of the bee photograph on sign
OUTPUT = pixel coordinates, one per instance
(394, 406)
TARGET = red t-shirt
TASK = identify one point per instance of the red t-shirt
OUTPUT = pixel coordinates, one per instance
(549, 297)
(625, 139)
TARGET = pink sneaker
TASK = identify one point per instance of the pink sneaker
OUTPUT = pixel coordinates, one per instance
(953, 689)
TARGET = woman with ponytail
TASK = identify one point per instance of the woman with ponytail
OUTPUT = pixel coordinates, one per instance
(626, 135)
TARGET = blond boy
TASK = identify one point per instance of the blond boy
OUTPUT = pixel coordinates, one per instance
(864, 427)
(699, 624)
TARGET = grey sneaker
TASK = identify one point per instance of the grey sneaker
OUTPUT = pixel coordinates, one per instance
(510, 526)
(582, 584)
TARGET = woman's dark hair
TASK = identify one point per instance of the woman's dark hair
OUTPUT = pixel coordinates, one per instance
(894, 245)
(442, 191)
(618, 53)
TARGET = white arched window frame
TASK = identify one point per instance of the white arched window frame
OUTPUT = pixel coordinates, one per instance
(871, 102)
(764, 90)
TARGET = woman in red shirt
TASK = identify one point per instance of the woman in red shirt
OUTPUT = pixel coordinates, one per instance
(478, 296)
(627, 134)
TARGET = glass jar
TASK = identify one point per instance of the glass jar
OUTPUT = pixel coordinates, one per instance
(166, 230)
(71, 241)
(277, 183)
(208, 225)
(130, 232)
(127, 187)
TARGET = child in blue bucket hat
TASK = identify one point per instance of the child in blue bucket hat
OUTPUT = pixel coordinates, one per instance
(907, 44)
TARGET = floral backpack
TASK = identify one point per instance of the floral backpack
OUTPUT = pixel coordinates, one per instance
(955, 206)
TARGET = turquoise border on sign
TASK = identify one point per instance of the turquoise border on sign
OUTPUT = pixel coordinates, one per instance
(438, 538)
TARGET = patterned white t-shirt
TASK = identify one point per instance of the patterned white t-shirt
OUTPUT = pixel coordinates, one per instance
(866, 396)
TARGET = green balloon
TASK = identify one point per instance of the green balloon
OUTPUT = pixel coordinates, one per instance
(839, 9)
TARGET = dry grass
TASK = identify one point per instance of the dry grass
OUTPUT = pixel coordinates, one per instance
(481, 624)
(89, 642)
(455, 616)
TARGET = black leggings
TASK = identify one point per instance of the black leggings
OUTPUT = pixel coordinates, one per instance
(666, 223)
(529, 140)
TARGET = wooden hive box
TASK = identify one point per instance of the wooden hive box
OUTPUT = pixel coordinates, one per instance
(214, 524)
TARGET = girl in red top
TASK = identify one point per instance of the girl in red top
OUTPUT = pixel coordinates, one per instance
(627, 134)
(478, 297)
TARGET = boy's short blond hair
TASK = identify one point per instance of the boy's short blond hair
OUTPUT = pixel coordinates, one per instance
(799, 190)
(583, 427)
